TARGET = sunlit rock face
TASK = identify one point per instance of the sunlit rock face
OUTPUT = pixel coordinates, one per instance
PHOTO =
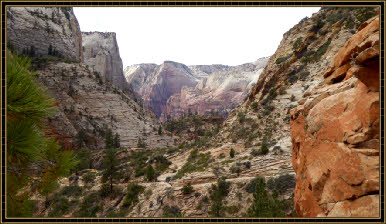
(173, 89)
(218, 92)
(335, 134)
(101, 54)
(42, 28)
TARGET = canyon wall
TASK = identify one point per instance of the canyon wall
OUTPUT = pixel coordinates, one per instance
(89, 96)
(101, 54)
(156, 83)
(219, 92)
(335, 134)
(41, 30)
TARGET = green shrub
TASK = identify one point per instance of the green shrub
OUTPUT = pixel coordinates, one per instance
(89, 177)
(282, 59)
(196, 162)
(133, 190)
(264, 148)
(83, 155)
(255, 106)
(241, 117)
(264, 204)
(71, 191)
(232, 153)
(364, 13)
(148, 193)
(150, 173)
(217, 193)
(281, 183)
(297, 43)
(104, 191)
(141, 143)
(187, 189)
(171, 212)
(60, 207)
(89, 206)
(233, 209)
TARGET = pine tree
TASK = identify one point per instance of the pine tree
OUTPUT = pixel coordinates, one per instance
(159, 130)
(217, 194)
(108, 139)
(150, 173)
(110, 165)
(117, 141)
(27, 147)
(50, 50)
(265, 205)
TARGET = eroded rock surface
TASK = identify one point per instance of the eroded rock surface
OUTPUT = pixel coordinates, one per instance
(335, 134)
(41, 27)
(156, 83)
(101, 54)
(219, 92)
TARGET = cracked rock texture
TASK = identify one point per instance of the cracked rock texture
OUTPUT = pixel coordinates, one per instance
(40, 27)
(101, 54)
(335, 134)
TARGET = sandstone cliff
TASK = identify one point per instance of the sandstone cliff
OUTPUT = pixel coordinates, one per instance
(101, 54)
(219, 92)
(87, 103)
(156, 83)
(335, 134)
(41, 30)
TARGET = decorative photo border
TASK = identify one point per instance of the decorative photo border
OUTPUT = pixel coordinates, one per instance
(236, 3)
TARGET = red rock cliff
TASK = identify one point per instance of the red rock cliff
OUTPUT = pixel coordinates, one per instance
(335, 134)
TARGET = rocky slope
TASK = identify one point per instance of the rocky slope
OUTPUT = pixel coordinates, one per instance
(101, 54)
(335, 134)
(219, 92)
(87, 104)
(37, 29)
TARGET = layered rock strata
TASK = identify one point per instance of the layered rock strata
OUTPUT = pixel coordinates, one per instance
(101, 54)
(43, 30)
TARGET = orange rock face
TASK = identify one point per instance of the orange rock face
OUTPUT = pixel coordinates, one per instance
(335, 135)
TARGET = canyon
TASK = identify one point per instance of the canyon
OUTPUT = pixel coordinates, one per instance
(305, 120)
(173, 90)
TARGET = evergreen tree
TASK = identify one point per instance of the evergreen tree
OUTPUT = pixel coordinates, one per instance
(141, 143)
(110, 165)
(232, 153)
(217, 194)
(265, 205)
(81, 138)
(117, 141)
(27, 147)
(150, 173)
(50, 50)
(159, 130)
(108, 139)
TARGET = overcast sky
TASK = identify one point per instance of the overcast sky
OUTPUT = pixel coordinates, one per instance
(193, 35)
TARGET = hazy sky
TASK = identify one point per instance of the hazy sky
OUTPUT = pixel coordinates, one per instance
(193, 35)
